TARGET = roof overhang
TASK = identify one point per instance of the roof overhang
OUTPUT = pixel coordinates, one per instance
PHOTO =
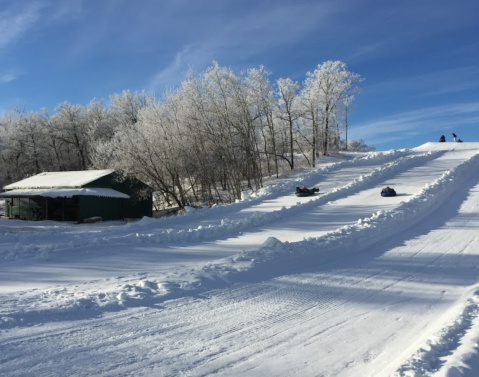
(67, 179)
(64, 193)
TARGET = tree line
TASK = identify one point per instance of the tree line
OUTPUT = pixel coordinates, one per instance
(205, 141)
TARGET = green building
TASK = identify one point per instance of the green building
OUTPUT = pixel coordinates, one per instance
(77, 196)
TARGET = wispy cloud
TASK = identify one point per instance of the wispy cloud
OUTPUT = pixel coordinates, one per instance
(271, 27)
(15, 22)
(239, 38)
(23, 16)
(7, 78)
(404, 125)
(366, 51)
(174, 72)
(66, 10)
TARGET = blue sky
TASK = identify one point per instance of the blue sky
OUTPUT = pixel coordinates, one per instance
(419, 58)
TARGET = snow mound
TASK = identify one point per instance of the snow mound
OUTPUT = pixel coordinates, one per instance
(432, 355)
(272, 242)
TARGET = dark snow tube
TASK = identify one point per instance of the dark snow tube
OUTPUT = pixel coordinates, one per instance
(306, 192)
(390, 193)
(301, 194)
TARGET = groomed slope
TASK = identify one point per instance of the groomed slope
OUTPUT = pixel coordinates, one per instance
(45, 250)
(389, 290)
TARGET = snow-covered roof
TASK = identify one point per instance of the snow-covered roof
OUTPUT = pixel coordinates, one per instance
(63, 179)
(65, 193)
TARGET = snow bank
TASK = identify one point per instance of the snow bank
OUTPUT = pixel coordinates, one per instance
(306, 178)
(443, 352)
(227, 228)
(273, 258)
(146, 230)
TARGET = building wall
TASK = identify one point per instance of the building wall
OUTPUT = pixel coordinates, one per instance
(140, 203)
(24, 208)
(62, 209)
(106, 208)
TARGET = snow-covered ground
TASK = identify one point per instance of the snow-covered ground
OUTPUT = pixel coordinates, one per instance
(344, 283)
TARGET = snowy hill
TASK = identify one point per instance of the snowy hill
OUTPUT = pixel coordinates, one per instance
(343, 283)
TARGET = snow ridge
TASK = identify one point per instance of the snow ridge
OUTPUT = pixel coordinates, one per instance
(258, 218)
(227, 226)
(28, 243)
(430, 357)
(142, 289)
(284, 187)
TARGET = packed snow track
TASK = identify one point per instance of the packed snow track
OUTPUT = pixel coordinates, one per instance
(345, 283)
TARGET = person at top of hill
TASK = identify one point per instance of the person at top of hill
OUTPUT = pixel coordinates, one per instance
(454, 136)
(442, 139)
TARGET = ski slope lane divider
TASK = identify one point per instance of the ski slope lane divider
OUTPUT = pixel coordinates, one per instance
(27, 245)
(227, 226)
(273, 259)
(282, 187)
(379, 226)
(276, 258)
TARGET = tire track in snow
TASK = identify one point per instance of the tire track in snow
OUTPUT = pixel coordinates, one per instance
(263, 319)
(223, 356)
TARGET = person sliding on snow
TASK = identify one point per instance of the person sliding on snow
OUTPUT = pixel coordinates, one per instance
(307, 191)
(388, 191)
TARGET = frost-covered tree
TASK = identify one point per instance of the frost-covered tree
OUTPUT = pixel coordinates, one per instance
(100, 120)
(23, 144)
(206, 141)
(325, 90)
(356, 146)
(261, 103)
(221, 98)
(287, 112)
(71, 130)
(126, 106)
